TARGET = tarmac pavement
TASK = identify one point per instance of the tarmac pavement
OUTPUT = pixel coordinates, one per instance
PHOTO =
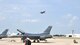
(56, 41)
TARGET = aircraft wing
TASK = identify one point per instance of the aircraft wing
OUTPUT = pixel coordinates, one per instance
(16, 36)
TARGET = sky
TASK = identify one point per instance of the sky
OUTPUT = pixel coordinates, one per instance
(63, 15)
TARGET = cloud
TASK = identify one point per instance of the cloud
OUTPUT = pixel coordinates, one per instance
(30, 21)
(9, 9)
(33, 1)
(70, 19)
(12, 9)
(73, 21)
(1, 0)
(16, 8)
(2, 18)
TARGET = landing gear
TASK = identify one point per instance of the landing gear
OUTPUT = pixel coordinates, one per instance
(34, 41)
(38, 41)
(0, 38)
(45, 40)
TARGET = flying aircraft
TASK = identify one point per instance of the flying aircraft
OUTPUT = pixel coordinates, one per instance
(4, 34)
(37, 37)
(42, 12)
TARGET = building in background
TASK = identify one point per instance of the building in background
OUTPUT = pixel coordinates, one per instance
(72, 35)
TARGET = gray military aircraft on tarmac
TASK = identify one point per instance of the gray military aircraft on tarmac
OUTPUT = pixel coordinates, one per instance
(4, 34)
(37, 37)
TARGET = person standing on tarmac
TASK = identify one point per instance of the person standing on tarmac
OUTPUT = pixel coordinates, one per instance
(27, 41)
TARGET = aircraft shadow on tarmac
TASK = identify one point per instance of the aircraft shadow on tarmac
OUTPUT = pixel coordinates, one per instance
(3, 40)
(43, 42)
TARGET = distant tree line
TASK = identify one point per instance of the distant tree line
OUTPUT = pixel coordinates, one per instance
(59, 35)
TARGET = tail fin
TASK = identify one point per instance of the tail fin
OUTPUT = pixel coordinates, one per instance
(21, 31)
(47, 31)
(4, 32)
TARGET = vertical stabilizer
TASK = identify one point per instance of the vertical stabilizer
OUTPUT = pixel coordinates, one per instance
(47, 31)
(4, 32)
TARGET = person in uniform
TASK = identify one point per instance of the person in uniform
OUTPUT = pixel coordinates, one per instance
(27, 41)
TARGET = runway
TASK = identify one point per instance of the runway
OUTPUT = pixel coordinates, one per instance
(56, 41)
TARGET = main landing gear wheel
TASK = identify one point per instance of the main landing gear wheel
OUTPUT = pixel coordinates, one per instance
(34, 41)
(38, 41)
